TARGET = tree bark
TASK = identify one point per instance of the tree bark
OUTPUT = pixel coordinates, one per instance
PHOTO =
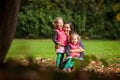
(8, 19)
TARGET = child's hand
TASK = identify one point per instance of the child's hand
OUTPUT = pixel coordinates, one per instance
(57, 46)
(59, 43)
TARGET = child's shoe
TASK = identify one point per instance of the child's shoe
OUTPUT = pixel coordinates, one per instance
(69, 70)
(57, 69)
(64, 70)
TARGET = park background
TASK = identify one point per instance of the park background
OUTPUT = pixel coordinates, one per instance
(92, 19)
(96, 21)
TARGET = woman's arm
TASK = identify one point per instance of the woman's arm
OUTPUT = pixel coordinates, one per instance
(81, 44)
(81, 53)
(67, 51)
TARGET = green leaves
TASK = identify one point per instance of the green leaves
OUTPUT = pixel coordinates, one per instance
(90, 18)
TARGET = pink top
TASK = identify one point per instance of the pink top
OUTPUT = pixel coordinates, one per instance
(73, 47)
(61, 37)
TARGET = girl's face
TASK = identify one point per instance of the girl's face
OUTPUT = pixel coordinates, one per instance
(67, 28)
(74, 39)
(59, 23)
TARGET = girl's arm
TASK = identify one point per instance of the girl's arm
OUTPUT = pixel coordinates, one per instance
(80, 49)
(54, 37)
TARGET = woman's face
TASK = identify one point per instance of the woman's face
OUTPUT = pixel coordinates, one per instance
(67, 28)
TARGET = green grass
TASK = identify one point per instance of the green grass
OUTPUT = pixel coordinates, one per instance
(103, 48)
(25, 48)
(107, 49)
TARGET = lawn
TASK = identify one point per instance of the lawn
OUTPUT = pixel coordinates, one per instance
(27, 70)
(108, 49)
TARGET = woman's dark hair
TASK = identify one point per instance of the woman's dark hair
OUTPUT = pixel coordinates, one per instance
(71, 27)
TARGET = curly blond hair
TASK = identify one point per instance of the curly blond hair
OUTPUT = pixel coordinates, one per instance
(75, 34)
(56, 20)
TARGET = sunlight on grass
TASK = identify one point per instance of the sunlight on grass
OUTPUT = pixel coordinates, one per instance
(103, 49)
(45, 48)
(34, 48)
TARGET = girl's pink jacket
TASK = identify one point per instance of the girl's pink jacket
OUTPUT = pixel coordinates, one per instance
(73, 47)
(61, 37)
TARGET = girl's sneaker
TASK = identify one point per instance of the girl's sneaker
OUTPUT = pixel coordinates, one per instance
(69, 70)
(57, 69)
(64, 70)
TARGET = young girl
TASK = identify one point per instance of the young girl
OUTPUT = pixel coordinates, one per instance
(72, 52)
(60, 40)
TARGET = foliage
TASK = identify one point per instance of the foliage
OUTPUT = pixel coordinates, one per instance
(37, 69)
(94, 66)
(91, 18)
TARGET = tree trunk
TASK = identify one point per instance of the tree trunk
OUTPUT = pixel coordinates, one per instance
(8, 19)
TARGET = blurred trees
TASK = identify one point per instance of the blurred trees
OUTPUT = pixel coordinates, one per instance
(95, 19)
